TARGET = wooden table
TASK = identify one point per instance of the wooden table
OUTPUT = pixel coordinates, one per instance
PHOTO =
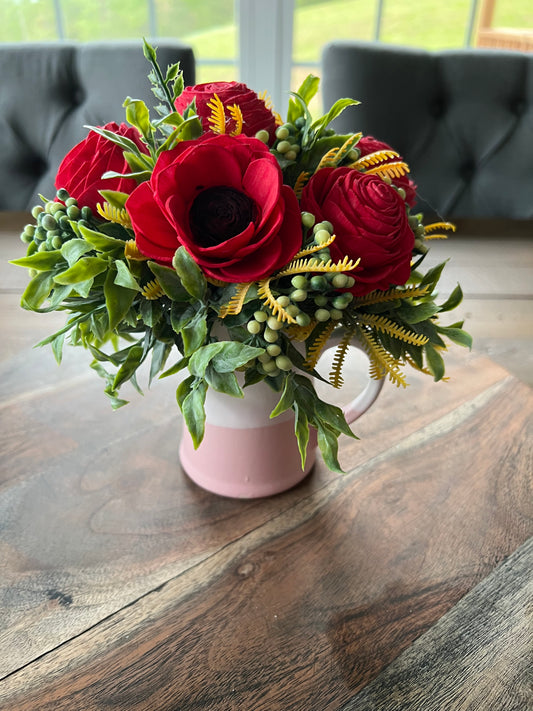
(403, 585)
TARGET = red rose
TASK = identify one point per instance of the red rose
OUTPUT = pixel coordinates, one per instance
(223, 199)
(369, 144)
(81, 170)
(255, 113)
(369, 219)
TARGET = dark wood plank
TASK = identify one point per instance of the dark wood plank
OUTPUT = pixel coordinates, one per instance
(478, 657)
(95, 505)
(305, 610)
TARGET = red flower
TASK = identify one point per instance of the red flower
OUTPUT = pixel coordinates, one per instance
(255, 113)
(369, 144)
(81, 170)
(222, 198)
(369, 220)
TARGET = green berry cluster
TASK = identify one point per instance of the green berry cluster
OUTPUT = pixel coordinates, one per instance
(318, 297)
(53, 223)
(287, 139)
(415, 223)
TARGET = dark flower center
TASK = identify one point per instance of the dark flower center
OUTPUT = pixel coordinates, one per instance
(218, 214)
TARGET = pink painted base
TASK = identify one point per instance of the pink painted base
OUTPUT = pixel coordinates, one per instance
(247, 463)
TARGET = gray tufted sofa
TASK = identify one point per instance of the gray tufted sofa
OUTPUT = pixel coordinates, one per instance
(49, 91)
(462, 119)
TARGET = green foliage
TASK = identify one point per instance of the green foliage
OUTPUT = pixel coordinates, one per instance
(128, 310)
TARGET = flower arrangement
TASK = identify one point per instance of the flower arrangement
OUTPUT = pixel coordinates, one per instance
(241, 241)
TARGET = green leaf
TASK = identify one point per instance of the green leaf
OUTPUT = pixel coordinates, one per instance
(305, 93)
(201, 358)
(83, 289)
(160, 353)
(329, 447)
(85, 268)
(309, 88)
(223, 382)
(193, 410)
(234, 355)
(334, 417)
(435, 361)
(301, 430)
(170, 282)
(151, 312)
(432, 277)
(194, 332)
(124, 277)
(130, 365)
(57, 347)
(184, 388)
(453, 300)
(74, 249)
(179, 84)
(416, 313)
(101, 242)
(41, 261)
(176, 368)
(172, 72)
(457, 335)
(336, 110)
(138, 162)
(125, 143)
(114, 198)
(287, 396)
(224, 356)
(190, 274)
(137, 115)
(149, 52)
(37, 291)
(117, 299)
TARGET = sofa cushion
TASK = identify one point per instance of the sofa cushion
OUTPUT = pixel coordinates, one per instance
(50, 91)
(462, 119)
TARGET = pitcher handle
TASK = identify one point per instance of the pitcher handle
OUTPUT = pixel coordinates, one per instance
(362, 402)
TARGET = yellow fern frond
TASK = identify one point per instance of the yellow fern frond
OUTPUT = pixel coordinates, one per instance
(236, 114)
(300, 266)
(263, 291)
(396, 169)
(318, 345)
(328, 160)
(379, 297)
(234, 305)
(216, 282)
(347, 146)
(265, 98)
(132, 252)
(439, 226)
(299, 185)
(429, 230)
(335, 375)
(374, 158)
(152, 290)
(381, 361)
(300, 333)
(386, 325)
(114, 214)
(314, 248)
(217, 120)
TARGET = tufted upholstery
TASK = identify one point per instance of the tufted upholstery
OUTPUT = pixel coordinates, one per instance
(49, 91)
(462, 119)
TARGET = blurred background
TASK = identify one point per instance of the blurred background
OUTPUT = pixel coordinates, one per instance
(225, 33)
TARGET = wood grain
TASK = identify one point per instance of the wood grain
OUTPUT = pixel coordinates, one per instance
(117, 515)
(123, 585)
(326, 593)
(478, 657)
